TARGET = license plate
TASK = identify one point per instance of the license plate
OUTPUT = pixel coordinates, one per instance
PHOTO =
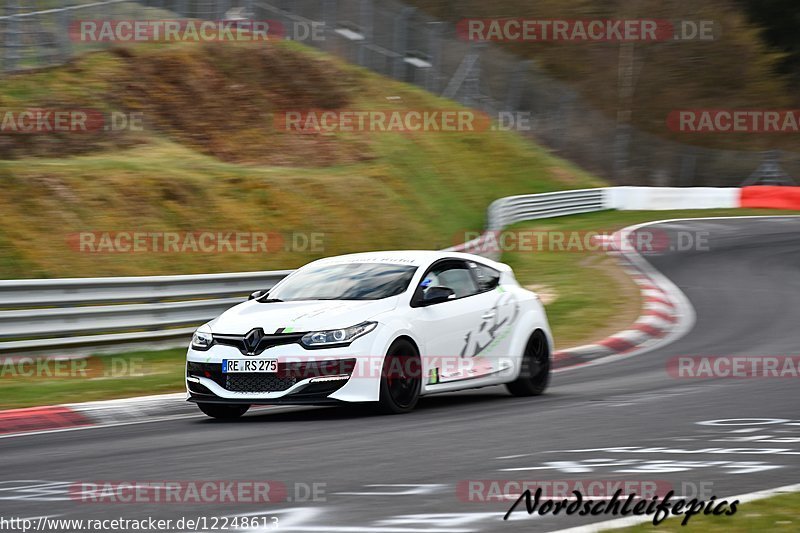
(235, 366)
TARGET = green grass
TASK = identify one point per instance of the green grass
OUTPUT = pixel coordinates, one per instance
(779, 514)
(594, 297)
(209, 159)
(98, 378)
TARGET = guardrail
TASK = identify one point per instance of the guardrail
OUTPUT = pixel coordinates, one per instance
(510, 210)
(95, 314)
(49, 314)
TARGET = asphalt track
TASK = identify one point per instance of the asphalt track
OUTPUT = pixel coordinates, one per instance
(401, 473)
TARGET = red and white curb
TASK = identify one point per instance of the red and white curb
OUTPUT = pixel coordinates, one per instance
(666, 315)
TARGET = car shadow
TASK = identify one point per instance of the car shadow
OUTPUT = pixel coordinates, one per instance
(453, 402)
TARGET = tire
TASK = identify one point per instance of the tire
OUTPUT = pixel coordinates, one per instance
(223, 411)
(401, 379)
(535, 372)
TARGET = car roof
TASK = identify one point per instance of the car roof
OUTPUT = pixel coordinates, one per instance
(409, 257)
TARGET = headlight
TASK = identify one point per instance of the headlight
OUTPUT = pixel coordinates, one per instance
(336, 337)
(202, 338)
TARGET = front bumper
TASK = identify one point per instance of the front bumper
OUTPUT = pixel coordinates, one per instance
(293, 383)
(319, 376)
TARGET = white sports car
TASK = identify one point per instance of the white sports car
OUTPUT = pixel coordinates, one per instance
(380, 327)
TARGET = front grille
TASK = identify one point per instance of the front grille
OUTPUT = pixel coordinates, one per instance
(258, 382)
(265, 342)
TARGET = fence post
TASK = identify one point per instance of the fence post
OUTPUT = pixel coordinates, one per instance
(329, 16)
(514, 95)
(365, 22)
(625, 84)
(180, 8)
(472, 83)
(13, 42)
(622, 141)
(562, 116)
(64, 19)
(222, 9)
(688, 165)
(401, 43)
(435, 36)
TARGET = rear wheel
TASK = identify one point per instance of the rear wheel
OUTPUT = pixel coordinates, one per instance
(401, 378)
(535, 373)
(223, 411)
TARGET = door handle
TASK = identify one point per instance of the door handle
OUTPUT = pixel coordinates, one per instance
(487, 316)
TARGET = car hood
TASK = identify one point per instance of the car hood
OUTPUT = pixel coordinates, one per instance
(308, 315)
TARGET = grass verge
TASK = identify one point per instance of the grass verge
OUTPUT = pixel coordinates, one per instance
(777, 514)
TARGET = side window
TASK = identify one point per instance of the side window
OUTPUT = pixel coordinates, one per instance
(452, 274)
(488, 278)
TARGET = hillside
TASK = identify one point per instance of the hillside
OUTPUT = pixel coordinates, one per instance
(208, 159)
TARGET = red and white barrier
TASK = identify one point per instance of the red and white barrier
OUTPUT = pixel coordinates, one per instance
(672, 198)
(770, 197)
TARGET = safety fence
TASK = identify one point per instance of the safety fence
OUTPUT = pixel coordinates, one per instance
(399, 41)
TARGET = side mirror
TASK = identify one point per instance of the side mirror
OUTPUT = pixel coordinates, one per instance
(435, 295)
(258, 294)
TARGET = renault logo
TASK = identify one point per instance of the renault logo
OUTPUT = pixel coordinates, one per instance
(252, 340)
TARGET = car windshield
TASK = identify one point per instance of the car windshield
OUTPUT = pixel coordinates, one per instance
(344, 281)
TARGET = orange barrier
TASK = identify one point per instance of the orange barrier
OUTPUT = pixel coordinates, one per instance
(771, 197)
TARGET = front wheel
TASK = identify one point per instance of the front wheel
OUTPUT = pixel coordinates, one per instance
(535, 372)
(223, 411)
(401, 378)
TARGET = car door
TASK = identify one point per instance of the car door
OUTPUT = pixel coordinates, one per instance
(448, 327)
(500, 310)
